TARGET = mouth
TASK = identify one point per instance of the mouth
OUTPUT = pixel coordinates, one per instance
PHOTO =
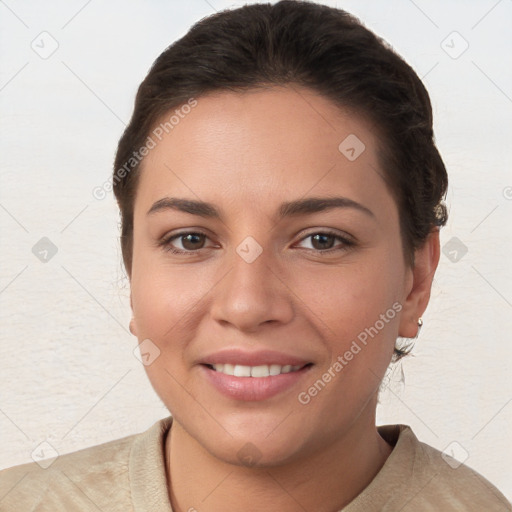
(253, 383)
(260, 371)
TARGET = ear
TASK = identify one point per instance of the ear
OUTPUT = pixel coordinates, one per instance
(419, 284)
(133, 324)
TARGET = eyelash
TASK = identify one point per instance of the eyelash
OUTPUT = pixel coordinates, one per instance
(346, 243)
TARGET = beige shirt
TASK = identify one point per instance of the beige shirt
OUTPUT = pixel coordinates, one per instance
(128, 475)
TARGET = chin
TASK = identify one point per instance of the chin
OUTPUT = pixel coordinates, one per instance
(255, 453)
(254, 441)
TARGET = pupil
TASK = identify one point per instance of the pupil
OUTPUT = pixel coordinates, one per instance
(322, 238)
(189, 238)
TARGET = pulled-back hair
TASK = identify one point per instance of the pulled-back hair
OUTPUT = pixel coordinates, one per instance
(311, 45)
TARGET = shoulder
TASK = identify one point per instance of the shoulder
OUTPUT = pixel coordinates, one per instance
(438, 480)
(95, 476)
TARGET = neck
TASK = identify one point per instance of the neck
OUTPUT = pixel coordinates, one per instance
(198, 481)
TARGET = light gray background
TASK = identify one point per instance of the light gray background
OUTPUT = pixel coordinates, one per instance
(68, 373)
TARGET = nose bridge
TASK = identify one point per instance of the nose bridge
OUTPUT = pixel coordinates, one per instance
(252, 293)
(254, 265)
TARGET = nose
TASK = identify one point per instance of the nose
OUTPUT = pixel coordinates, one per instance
(253, 292)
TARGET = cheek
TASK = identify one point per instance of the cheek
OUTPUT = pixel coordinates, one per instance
(351, 298)
(356, 308)
(165, 297)
(163, 302)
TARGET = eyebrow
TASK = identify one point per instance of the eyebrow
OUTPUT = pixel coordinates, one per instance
(287, 209)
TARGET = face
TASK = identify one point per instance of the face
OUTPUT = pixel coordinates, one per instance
(322, 289)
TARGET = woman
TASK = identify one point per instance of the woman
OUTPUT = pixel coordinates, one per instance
(281, 198)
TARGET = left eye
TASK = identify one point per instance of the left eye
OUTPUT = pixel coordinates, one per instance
(322, 239)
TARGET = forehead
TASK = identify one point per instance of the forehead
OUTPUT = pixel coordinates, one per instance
(253, 147)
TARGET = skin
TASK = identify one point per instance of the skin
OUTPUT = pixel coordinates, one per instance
(247, 153)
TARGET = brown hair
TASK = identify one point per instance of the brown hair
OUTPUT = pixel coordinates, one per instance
(312, 45)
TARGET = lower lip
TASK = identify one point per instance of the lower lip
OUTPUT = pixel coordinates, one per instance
(253, 388)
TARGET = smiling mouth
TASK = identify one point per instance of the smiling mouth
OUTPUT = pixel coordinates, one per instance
(260, 371)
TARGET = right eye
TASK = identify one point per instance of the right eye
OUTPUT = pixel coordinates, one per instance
(191, 241)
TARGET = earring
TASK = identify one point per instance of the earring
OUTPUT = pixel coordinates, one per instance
(420, 324)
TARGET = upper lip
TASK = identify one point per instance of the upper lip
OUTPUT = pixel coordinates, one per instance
(257, 358)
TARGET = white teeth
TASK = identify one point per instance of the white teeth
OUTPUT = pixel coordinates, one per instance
(263, 370)
(229, 369)
(274, 369)
(259, 371)
(242, 371)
